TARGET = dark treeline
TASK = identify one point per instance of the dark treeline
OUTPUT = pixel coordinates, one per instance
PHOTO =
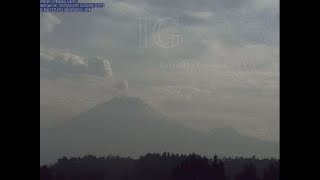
(161, 167)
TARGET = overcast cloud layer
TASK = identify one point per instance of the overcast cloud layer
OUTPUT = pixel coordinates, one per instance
(221, 67)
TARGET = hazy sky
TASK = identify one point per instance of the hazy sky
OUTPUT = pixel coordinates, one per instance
(206, 63)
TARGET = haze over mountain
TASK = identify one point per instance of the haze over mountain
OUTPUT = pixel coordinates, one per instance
(129, 126)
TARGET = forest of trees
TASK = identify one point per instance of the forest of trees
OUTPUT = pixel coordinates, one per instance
(164, 166)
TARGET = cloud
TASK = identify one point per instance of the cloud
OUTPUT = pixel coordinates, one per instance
(195, 18)
(58, 62)
(123, 11)
(117, 26)
(99, 66)
(201, 15)
(212, 32)
(48, 21)
(266, 4)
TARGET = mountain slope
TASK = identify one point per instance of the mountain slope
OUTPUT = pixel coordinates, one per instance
(128, 126)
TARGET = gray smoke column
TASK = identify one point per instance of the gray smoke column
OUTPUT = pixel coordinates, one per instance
(122, 88)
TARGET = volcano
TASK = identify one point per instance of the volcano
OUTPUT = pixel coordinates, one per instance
(128, 126)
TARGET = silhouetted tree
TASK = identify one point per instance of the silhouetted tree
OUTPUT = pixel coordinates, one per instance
(249, 172)
(271, 173)
(195, 167)
(45, 173)
(165, 166)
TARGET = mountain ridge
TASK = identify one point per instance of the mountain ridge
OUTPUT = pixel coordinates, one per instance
(128, 125)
